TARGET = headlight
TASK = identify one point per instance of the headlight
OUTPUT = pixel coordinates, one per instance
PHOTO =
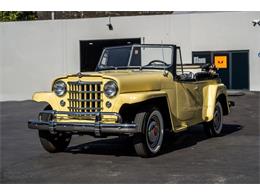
(110, 89)
(60, 88)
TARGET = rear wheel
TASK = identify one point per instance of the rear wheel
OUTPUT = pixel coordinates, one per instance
(150, 123)
(214, 127)
(53, 142)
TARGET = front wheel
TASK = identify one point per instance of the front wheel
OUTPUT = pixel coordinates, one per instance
(213, 128)
(151, 126)
(53, 142)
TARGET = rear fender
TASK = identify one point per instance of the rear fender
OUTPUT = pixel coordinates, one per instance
(211, 94)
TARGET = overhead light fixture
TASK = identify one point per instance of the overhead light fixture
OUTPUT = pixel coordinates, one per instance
(110, 27)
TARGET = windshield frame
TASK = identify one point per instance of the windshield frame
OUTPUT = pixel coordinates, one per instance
(128, 66)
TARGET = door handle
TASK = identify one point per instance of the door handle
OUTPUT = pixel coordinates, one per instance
(196, 88)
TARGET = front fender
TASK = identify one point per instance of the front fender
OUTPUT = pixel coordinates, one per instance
(210, 95)
(48, 97)
(131, 98)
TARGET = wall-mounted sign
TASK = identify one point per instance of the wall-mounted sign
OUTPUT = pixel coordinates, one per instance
(198, 60)
(220, 61)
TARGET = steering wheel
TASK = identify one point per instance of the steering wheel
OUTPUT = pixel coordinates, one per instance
(154, 61)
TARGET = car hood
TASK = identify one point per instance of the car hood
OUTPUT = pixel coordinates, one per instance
(127, 80)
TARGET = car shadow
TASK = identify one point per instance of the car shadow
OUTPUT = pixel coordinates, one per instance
(117, 146)
(193, 136)
(122, 146)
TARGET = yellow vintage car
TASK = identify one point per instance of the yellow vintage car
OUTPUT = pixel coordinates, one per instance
(137, 90)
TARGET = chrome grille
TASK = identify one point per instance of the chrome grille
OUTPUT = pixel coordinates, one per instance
(85, 96)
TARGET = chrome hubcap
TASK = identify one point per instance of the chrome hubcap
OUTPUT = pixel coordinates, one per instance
(154, 132)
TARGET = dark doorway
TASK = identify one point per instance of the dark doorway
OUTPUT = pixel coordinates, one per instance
(233, 66)
(91, 50)
(240, 70)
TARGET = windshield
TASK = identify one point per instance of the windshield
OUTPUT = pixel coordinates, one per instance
(136, 56)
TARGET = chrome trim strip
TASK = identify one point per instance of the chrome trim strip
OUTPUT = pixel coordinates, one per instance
(82, 100)
(84, 82)
(85, 91)
(85, 108)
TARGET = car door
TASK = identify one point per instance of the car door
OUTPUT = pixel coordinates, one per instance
(188, 94)
(189, 100)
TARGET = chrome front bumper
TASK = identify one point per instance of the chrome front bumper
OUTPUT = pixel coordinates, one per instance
(97, 127)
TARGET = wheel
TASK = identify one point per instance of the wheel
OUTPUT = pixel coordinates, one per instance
(214, 127)
(52, 143)
(150, 123)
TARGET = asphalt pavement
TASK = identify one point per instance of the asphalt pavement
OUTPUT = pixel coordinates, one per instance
(189, 157)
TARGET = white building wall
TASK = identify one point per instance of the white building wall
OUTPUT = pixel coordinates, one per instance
(229, 31)
(33, 53)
